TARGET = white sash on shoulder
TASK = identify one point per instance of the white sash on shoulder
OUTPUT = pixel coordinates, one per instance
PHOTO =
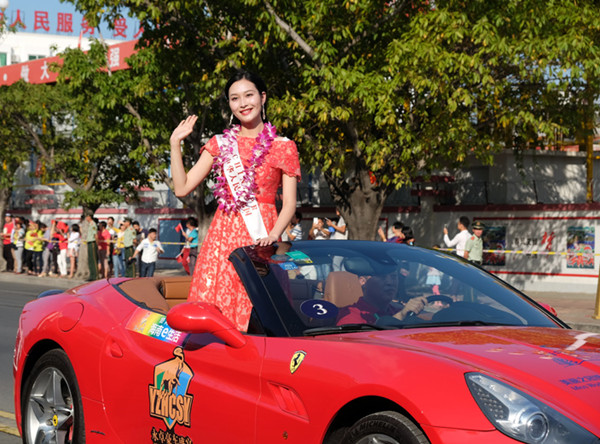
(233, 170)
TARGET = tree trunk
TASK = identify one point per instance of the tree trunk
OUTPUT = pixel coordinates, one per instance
(204, 212)
(360, 203)
(589, 112)
(83, 271)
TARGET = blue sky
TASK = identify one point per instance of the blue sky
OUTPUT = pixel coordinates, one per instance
(52, 17)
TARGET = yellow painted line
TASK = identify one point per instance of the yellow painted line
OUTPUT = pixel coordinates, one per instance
(8, 429)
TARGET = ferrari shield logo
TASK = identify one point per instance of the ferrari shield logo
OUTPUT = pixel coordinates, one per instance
(169, 400)
(297, 360)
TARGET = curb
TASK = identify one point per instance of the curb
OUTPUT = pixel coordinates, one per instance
(594, 328)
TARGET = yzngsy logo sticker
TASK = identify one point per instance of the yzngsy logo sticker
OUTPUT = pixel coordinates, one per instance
(168, 396)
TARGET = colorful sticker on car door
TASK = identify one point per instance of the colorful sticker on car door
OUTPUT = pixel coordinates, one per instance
(169, 398)
(154, 325)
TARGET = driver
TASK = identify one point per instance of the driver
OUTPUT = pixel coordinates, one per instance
(377, 301)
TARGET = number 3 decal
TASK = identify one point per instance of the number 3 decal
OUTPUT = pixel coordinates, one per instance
(321, 311)
(318, 308)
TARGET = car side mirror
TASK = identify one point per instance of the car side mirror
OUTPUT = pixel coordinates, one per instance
(202, 317)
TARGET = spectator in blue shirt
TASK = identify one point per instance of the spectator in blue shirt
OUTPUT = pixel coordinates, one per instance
(293, 232)
(191, 237)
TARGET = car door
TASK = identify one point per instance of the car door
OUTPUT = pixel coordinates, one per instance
(163, 386)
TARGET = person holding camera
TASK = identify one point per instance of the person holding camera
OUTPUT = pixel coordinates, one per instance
(318, 231)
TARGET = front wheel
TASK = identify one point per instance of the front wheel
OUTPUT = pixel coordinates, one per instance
(51, 404)
(385, 428)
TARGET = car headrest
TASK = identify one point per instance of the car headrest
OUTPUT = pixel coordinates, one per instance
(342, 288)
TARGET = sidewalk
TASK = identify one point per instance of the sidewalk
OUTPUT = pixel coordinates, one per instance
(576, 309)
(63, 283)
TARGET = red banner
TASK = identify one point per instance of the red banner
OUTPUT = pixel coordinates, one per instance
(38, 71)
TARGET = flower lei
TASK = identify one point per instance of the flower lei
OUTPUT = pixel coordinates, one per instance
(221, 190)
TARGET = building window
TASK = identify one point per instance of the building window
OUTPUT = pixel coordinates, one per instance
(35, 57)
(2, 59)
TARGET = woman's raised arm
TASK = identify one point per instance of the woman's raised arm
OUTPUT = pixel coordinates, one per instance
(184, 183)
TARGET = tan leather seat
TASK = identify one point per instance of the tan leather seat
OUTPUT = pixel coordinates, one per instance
(158, 293)
(175, 290)
(342, 288)
(145, 290)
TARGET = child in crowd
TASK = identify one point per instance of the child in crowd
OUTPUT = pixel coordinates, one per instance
(191, 237)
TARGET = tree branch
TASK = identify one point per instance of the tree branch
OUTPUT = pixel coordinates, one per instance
(147, 144)
(189, 200)
(376, 26)
(290, 31)
(44, 152)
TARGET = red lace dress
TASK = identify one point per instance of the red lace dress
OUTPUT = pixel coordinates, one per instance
(214, 279)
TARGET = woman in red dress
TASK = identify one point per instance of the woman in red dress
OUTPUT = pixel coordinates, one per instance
(268, 162)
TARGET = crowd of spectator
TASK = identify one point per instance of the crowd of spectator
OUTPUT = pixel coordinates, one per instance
(126, 249)
(34, 248)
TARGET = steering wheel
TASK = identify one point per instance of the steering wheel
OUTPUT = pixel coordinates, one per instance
(411, 317)
(441, 298)
(430, 299)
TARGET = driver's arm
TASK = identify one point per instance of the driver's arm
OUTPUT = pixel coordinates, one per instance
(414, 305)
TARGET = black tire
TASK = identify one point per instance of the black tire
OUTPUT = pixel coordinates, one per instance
(51, 402)
(385, 428)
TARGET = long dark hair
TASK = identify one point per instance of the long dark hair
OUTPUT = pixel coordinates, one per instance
(251, 77)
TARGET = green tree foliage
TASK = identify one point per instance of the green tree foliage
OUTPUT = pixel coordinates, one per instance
(77, 136)
(392, 91)
(14, 150)
(75, 129)
(179, 69)
(375, 93)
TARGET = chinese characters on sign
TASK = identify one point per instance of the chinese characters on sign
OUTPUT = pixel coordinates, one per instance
(155, 326)
(69, 23)
(38, 71)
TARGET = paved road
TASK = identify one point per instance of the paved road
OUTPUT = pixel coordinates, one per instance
(13, 296)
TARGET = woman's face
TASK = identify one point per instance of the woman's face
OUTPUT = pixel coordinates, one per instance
(246, 102)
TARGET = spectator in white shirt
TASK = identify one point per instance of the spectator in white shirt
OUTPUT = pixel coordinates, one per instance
(150, 249)
(460, 240)
(318, 231)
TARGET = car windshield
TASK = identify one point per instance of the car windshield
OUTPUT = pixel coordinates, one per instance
(340, 286)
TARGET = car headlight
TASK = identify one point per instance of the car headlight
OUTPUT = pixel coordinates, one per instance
(523, 417)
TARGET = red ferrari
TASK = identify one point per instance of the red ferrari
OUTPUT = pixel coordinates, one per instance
(348, 342)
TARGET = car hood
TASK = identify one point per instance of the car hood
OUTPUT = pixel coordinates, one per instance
(559, 366)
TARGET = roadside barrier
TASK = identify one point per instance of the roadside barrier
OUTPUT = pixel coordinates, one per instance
(532, 252)
(596, 314)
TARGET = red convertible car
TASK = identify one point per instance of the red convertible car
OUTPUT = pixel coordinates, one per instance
(348, 342)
